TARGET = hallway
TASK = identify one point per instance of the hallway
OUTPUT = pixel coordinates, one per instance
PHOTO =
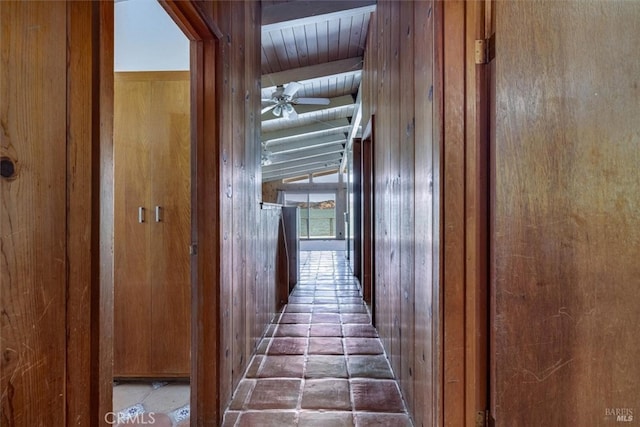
(321, 362)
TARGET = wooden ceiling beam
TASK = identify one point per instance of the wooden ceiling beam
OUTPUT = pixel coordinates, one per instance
(307, 144)
(292, 174)
(312, 73)
(305, 154)
(302, 132)
(327, 159)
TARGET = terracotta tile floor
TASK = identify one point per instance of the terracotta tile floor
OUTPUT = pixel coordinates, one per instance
(322, 363)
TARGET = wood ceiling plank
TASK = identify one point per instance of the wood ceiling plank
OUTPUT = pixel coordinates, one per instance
(355, 40)
(269, 47)
(333, 36)
(322, 30)
(344, 34)
(312, 43)
(290, 48)
(300, 38)
(304, 12)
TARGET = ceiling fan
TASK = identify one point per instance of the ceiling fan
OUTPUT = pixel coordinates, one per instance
(283, 99)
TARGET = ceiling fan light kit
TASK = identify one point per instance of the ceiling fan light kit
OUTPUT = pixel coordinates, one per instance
(283, 98)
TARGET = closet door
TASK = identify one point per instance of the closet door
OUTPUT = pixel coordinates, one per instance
(152, 288)
(132, 293)
(170, 197)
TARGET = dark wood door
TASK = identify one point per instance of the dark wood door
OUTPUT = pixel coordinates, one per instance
(565, 221)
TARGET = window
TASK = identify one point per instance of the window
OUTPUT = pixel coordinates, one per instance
(317, 213)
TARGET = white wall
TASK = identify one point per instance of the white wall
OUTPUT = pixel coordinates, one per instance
(147, 39)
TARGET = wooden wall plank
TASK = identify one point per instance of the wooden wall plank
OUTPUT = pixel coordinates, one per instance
(393, 177)
(425, 379)
(225, 99)
(33, 213)
(56, 272)
(399, 68)
(406, 201)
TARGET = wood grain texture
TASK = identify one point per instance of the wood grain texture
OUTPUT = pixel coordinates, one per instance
(170, 190)
(249, 235)
(565, 223)
(205, 235)
(56, 366)
(406, 202)
(33, 213)
(132, 251)
(152, 286)
(102, 322)
(454, 213)
(400, 156)
(476, 217)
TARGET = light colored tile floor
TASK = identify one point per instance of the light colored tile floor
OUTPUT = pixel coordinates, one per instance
(164, 403)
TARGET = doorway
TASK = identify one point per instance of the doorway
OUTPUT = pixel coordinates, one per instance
(152, 203)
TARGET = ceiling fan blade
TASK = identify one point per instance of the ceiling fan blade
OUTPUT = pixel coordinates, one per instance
(268, 100)
(312, 101)
(291, 89)
(269, 108)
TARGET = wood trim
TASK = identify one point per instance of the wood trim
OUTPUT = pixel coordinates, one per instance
(438, 211)
(476, 205)
(356, 215)
(192, 19)
(367, 215)
(102, 225)
(205, 343)
(454, 213)
(86, 373)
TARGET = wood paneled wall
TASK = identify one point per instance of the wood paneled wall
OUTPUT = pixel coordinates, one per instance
(54, 272)
(247, 274)
(565, 214)
(429, 205)
(398, 87)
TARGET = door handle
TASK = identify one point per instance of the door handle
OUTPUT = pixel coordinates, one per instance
(140, 214)
(158, 213)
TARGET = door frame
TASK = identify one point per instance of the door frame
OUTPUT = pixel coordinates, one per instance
(368, 202)
(203, 33)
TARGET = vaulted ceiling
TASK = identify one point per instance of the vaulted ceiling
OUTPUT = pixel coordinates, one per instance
(319, 44)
